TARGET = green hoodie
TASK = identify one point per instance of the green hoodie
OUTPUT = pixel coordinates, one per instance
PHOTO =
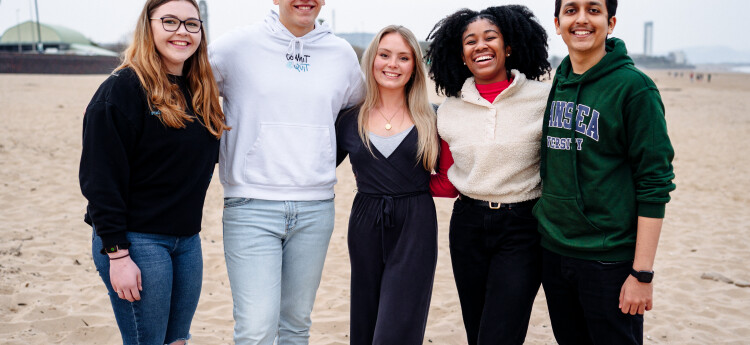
(606, 158)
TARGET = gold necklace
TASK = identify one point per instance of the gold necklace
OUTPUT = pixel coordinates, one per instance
(387, 120)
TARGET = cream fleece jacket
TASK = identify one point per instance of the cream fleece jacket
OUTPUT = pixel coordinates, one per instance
(495, 146)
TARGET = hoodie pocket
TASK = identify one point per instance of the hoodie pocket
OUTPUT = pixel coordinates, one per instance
(291, 155)
(563, 223)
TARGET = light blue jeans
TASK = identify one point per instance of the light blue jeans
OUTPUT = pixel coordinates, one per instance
(275, 252)
(171, 274)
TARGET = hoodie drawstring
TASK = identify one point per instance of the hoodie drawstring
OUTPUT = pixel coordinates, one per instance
(292, 48)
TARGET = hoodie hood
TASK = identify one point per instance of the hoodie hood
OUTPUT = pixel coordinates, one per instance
(296, 45)
(616, 57)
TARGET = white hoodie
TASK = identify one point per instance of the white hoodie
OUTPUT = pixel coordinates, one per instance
(281, 97)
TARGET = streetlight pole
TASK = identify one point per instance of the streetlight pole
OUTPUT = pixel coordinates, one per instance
(18, 29)
(39, 46)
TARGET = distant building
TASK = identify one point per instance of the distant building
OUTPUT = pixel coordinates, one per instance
(357, 39)
(55, 39)
(678, 57)
(554, 61)
(361, 40)
(204, 15)
(66, 51)
(648, 38)
(675, 60)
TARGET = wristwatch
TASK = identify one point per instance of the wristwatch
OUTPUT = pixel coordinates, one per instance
(115, 248)
(642, 276)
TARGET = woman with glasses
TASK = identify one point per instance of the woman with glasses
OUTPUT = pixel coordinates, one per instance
(392, 143)
(150, 143)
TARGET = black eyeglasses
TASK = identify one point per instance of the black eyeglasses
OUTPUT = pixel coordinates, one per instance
(172, 24)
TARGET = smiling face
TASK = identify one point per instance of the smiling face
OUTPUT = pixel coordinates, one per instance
(484, 52)
(298, 16)
(175, 47)
(394, 62)
(584, 27)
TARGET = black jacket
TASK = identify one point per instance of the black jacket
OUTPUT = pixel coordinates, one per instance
(138, 174)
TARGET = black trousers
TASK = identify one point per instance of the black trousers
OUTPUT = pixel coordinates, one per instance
(393, 268)
(583, 298)
(496, 260)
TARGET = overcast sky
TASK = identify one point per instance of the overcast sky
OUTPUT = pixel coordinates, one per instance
(678, 24)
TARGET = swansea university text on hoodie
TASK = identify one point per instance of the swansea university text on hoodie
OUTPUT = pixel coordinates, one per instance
(281, 97)
(606, 158)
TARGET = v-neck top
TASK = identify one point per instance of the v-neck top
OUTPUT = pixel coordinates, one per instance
(386, 145)
(398, 174)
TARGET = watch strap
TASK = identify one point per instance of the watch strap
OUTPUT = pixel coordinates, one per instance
(642, 276)
(114, 248)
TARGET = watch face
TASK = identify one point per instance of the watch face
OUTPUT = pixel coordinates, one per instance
(645, 276)
(110, 249)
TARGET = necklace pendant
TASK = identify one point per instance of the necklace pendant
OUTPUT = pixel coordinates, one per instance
(388, 127)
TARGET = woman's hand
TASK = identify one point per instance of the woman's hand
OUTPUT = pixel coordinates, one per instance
(125, 276)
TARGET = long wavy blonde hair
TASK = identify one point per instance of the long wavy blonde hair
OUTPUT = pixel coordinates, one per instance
(162, 94)
(420, 109)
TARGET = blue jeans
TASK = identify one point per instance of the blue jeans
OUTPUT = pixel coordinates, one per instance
(275, 252)
(171, 274)
(583, 298)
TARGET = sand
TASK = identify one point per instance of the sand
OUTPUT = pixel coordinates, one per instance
(50, 292)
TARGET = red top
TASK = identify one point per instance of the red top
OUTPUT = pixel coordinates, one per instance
(490, 91)
(440, 186)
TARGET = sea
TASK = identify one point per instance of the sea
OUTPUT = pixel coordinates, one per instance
(741, 69)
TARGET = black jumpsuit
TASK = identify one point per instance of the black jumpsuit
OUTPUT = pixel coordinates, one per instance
(392, 239)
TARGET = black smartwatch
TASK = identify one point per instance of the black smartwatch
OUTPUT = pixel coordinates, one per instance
(115, 248)
(642, 276)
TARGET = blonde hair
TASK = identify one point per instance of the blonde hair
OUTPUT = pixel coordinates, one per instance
(162, 94)
(420, 109)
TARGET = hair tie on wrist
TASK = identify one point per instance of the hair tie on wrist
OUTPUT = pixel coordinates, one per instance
(118, 258)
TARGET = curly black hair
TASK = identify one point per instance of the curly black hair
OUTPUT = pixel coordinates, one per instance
(520, 29)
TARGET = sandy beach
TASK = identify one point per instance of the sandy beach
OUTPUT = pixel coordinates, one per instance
(50, 292)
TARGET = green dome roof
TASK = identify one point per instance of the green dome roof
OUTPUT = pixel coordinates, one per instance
(26, 33)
